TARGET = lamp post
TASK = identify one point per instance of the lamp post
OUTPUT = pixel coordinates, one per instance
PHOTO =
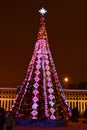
(66, 81)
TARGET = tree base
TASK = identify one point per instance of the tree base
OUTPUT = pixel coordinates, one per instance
(40, 122)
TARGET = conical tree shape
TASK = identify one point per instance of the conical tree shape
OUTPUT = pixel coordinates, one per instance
(41, 94)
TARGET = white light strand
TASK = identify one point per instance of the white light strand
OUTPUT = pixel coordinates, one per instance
(35, 95)
(50, 90)
(44, 83)
(34, 55)
(59, 85)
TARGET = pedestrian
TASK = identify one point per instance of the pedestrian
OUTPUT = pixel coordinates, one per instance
(2, 120)
(9, 121)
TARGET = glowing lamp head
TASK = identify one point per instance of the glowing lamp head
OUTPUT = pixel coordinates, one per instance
(66, 79)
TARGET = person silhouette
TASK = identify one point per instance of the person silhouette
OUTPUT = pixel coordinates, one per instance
(9, 120)
(2, 118)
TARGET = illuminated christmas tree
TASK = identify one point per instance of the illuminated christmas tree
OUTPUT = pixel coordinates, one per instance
(41, 95)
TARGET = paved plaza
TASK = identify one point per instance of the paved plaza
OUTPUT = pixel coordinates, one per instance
(71, 126)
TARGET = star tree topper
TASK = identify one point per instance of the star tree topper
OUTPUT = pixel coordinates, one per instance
(42, 11)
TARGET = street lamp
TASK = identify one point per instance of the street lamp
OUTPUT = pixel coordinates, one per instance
(66, 79)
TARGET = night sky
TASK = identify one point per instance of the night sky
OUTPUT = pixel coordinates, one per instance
(66, 24)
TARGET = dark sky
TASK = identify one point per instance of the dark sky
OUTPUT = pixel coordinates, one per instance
(66, 23)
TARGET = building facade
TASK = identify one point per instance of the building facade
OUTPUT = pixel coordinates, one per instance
(75, 98)
(7, 97)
